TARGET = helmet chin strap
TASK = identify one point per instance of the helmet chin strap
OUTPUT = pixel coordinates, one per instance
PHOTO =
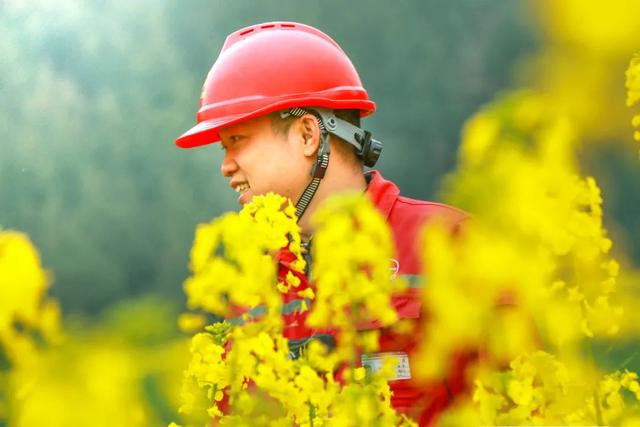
(317, 173)
(367, 149)
(320, 166)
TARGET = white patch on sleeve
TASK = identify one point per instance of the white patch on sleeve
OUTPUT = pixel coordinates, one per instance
(374, 362)
(395, 268)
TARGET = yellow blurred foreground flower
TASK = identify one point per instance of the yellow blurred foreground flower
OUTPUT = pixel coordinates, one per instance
(633, 91)
(25, 310)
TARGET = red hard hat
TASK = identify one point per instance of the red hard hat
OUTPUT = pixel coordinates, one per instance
(270, 67)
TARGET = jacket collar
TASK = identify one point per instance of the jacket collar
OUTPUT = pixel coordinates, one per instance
(382, 193)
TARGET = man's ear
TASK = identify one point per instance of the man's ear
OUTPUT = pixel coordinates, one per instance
(310, 132)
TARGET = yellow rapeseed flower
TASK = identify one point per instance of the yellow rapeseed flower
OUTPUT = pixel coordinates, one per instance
(233, 266)
(24, 306)
(352, 279)
(633, 91)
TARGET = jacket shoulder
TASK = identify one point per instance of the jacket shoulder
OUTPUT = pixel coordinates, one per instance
(422, 211)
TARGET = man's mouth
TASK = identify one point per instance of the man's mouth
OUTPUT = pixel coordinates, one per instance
(241, 188)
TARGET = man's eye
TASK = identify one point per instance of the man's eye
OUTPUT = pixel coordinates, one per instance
(229, 142)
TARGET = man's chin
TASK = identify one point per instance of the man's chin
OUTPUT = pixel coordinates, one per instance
(245, 197)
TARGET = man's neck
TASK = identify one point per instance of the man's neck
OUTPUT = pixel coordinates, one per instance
(337, 180)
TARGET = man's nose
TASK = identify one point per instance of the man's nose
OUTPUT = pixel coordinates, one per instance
(228, 166)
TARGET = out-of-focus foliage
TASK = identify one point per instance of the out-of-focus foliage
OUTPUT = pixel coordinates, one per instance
(633, 90)
(125, 369)
(27, 315)
(533, 268)
(532, 271)
(584, 49)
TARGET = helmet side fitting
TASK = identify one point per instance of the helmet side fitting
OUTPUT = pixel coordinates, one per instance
(367, 149)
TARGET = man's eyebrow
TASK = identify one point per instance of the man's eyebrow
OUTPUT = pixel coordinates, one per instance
(238, 131)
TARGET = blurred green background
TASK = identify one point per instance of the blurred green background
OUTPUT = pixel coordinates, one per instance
(93, 94)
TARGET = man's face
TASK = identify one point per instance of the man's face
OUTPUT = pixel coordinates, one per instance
(258, 160)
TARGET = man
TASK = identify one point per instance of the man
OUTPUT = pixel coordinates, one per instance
(285, 103)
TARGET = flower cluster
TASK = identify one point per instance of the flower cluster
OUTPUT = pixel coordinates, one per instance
(232, 257)
(244, 265)
(531, 271)
(352, 274)
(534, 262)
(538, 390)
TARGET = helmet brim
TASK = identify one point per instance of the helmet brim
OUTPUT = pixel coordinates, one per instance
(206, 132)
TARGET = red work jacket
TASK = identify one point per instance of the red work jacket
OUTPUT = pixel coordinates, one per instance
(406, 218)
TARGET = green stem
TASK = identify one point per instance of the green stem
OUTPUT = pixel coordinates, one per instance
(596, 399)
(354, 321)
(312, 414)
(628, 360)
